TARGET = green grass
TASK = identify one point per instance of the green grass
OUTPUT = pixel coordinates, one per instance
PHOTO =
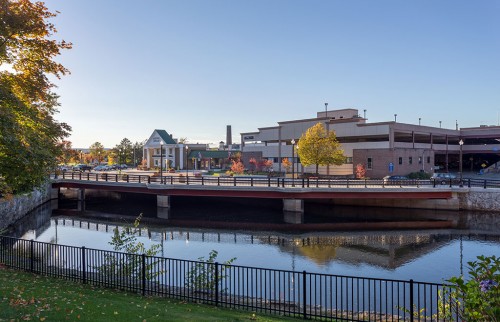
(30, 297)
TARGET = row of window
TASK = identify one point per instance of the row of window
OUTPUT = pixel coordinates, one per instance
(369, 161)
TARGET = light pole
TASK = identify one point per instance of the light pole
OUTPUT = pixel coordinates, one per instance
(326, 109)
(439, 124)
(186, 148)
(395, 117)
(293, 162)
(461, 142)
(161, 161)
(419, 119)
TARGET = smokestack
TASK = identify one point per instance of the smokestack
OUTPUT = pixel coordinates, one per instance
(229, 140)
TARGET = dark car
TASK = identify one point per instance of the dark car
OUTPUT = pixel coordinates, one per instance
(82, 168)
(395, 179)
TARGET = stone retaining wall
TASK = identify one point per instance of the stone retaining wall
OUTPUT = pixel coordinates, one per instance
(17, 207)
(480, 199)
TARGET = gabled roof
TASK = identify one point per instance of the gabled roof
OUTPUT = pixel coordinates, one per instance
(165, 137)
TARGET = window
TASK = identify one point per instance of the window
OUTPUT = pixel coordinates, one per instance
(369, 163)
(275, 160)
(410, 160)
(348, 160)
(428, 159)
(419, 160)
(400, 161)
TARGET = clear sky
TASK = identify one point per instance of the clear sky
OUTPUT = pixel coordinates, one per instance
(191, 67)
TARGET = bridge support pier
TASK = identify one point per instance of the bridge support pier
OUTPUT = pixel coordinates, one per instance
(163, 201)
(293, 211)
(81, 199)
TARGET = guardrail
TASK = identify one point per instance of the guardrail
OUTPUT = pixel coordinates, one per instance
(291, 293)
(278, 181)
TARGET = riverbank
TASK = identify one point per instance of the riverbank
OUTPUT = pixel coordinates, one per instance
(16, 207)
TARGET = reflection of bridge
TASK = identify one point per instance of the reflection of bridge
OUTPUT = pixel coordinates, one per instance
(383, 249)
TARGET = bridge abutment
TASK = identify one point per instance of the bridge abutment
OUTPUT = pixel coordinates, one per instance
(293, 211)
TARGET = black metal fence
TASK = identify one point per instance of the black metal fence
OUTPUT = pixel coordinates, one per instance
(298, 294)
(279, 182)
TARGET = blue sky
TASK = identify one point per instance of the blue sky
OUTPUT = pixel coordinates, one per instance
(193, 67)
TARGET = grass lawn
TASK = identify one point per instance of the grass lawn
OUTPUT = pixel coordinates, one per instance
(30, 297)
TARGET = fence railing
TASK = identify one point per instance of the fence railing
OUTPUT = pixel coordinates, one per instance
(278, 181)
(298, 294)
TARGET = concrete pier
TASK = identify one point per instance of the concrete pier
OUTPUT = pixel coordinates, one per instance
(163, 201)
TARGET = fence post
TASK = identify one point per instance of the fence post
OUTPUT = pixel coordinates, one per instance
(216, 283)
(268, 181)
(234, 178)
(143, 274)
(365, 183)
(218, 181)
(149, 179)
(434, 183)
(171, 180)
(484, 184)
(411, 300)
(84, 265)
(304, 295)
(468, 182)
(139, 178)
(32, 254)
(79, 176)
(187, 180)
(251, 182)
(308, 182)
(202, 180)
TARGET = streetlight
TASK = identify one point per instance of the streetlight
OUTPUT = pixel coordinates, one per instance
(161, 161)
(461, 142)
(395, 117)
(293, 162)
(326, 109)
(187, 173)
(439, 124)
(419, 119)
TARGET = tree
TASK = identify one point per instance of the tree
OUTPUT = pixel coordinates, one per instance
(123, 152)
(67, 152)
(97, 151)
(238, 167)
(254, 164)
(319, 147)
(286, 164)
(360, 171)
(29, 134)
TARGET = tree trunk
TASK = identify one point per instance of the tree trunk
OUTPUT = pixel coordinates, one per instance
(317, 172)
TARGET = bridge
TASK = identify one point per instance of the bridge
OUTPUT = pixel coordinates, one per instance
(424, 194)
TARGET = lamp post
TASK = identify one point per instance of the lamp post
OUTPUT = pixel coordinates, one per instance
(187, 167)
(161, 161)
(326, 109)
(461, 142)
(395, 117)
(293, 162)
(439, 124)
(419, 119)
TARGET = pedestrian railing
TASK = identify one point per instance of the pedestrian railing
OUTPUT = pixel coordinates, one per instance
(290, 293)
(278, 181)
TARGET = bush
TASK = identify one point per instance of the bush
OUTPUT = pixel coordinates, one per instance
(419, 175)
(477, 299)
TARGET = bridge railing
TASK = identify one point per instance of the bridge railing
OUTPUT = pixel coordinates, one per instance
(277, 181)
(291, 293)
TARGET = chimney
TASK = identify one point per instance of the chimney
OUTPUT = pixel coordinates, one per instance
(229, 140)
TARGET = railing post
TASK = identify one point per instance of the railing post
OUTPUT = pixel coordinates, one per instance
(187, 180)
(451, 182)
(79, 176)
(365, 183)
(434, 183)
(127, 178)
(216, 283)
(171, 180)
(149, 179)
(143, 274)
(106, 177)
(347, 184)
(484, 184)
(88, 176)
(468, 182)
(411, 300)
(308, 182)
(116, 177)
(218, 181)
(251, 182)
(202, 180)
(234, 178)
(303, 182)
(32, 255)
(84, 270)
(304, 295)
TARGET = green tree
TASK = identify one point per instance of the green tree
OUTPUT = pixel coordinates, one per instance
(319, 147)
(124, 151)
(97, 151)
(29, 134)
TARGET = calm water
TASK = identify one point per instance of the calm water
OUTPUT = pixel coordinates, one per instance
(425, 255)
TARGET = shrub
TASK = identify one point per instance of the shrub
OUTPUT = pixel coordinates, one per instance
(419, 175)
(477, 299)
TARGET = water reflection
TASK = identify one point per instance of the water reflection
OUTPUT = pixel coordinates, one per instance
(428, 255)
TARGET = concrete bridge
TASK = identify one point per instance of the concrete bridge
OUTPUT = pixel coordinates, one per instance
(293, 194)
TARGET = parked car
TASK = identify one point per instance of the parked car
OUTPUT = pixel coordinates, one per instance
(64, 168)
(82, 167)
(395, 179)
(444, 178)
(99, 168)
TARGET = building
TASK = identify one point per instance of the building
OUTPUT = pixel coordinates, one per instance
(384, 148)
(185, 156)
